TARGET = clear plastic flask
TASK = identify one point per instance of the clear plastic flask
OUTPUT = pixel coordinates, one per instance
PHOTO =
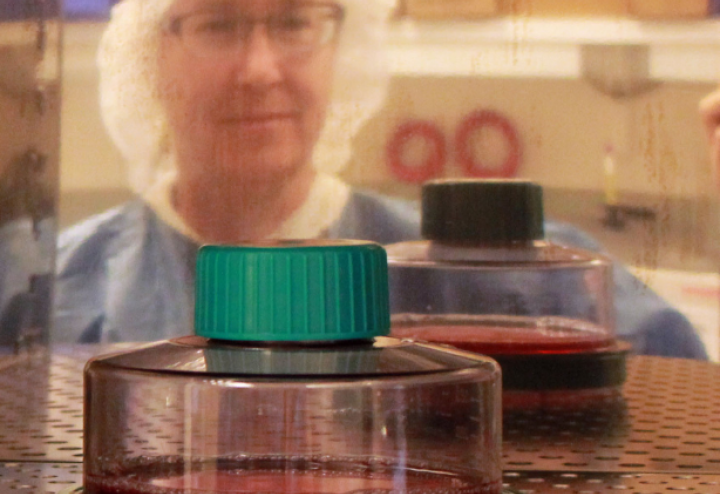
(486, 280)
(291, 385)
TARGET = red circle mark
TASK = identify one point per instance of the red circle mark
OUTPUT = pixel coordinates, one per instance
(472, 165)
(433, 164)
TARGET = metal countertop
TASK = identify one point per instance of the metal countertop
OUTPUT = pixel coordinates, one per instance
(663, 437)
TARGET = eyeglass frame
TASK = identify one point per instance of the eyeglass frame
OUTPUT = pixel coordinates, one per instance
(173, 26)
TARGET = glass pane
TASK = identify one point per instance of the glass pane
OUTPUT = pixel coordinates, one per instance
(29, 156)
(598, 104)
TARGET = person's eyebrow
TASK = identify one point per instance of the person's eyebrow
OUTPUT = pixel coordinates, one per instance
(205, 5)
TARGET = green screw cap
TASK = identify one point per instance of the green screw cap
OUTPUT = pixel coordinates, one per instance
(292, 291)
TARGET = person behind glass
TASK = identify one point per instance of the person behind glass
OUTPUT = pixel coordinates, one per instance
(235, 116)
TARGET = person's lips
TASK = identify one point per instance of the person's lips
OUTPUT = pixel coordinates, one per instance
(259, 126)
(261, 118)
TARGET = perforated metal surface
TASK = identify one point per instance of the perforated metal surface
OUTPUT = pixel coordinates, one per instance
(41, 410)
(41, 402)
(596, 483)
(670, 422)
(53, 479)
(38, 478)
(664, 437)
(572, 483)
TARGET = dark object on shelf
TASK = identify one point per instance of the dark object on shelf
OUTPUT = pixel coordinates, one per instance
(616, 215)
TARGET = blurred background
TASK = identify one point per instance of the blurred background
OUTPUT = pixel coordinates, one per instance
(595, 100)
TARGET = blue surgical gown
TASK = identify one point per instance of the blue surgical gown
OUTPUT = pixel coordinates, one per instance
(125, 275)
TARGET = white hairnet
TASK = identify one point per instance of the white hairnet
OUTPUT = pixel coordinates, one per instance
(134, 118)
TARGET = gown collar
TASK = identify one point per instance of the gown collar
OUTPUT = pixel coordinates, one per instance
(323, 207)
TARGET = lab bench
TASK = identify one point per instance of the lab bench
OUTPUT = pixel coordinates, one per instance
(661, 436)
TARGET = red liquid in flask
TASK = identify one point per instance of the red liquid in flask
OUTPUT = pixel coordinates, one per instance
(505, 335)
(259, 476)
(521, 337)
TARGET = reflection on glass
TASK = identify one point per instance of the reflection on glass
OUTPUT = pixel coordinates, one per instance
(29, 142)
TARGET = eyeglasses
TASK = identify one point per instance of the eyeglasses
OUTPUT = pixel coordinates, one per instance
(295, 31)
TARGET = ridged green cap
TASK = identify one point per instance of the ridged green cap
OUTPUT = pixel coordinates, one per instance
(292, 291)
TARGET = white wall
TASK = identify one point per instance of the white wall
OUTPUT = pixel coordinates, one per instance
(564, 126)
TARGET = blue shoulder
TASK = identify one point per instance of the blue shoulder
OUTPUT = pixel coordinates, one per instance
(642, 316)
(81, 272)
(83, 247)
(570, 236)
(372, 216)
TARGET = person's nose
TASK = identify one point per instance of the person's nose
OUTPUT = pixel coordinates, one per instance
(261, 62)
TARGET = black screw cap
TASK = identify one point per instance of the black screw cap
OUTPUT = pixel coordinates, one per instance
(482, 211)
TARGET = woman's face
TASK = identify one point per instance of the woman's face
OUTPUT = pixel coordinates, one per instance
(250, 104)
